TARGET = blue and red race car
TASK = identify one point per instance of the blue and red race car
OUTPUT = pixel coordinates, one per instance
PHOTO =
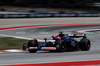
(60, 43)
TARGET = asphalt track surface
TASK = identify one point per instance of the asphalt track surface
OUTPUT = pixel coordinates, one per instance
(45, 56)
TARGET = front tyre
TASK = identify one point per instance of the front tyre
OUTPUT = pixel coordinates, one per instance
(60, 46)
(32, 43)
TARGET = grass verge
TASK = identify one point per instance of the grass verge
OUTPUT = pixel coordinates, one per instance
(11, 43)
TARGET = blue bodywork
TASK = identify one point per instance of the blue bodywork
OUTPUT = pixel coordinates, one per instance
(69, 41)
(43, 44)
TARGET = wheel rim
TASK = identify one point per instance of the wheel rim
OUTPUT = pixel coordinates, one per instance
(63, 46)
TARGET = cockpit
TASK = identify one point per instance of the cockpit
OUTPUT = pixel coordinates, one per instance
(60, 36)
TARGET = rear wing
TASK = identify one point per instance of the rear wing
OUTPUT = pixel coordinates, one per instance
(77, 35)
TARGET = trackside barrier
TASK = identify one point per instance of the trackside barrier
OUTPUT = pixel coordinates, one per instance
(49, 15)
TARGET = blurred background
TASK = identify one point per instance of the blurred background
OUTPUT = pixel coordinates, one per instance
(50, 6)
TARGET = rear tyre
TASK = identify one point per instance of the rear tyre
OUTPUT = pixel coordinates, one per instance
(60, 46)
(32, 43)
(85, 44)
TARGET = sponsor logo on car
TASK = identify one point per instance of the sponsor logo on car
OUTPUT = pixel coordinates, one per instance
(48, 48)
(32, 48)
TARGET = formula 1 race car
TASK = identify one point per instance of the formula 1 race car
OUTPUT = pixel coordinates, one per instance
(60, 43)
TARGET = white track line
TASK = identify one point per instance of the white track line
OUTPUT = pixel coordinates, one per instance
(15, 37)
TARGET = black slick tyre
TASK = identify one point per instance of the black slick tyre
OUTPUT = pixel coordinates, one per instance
(32, 43)
(60, 46)
(85, 44)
